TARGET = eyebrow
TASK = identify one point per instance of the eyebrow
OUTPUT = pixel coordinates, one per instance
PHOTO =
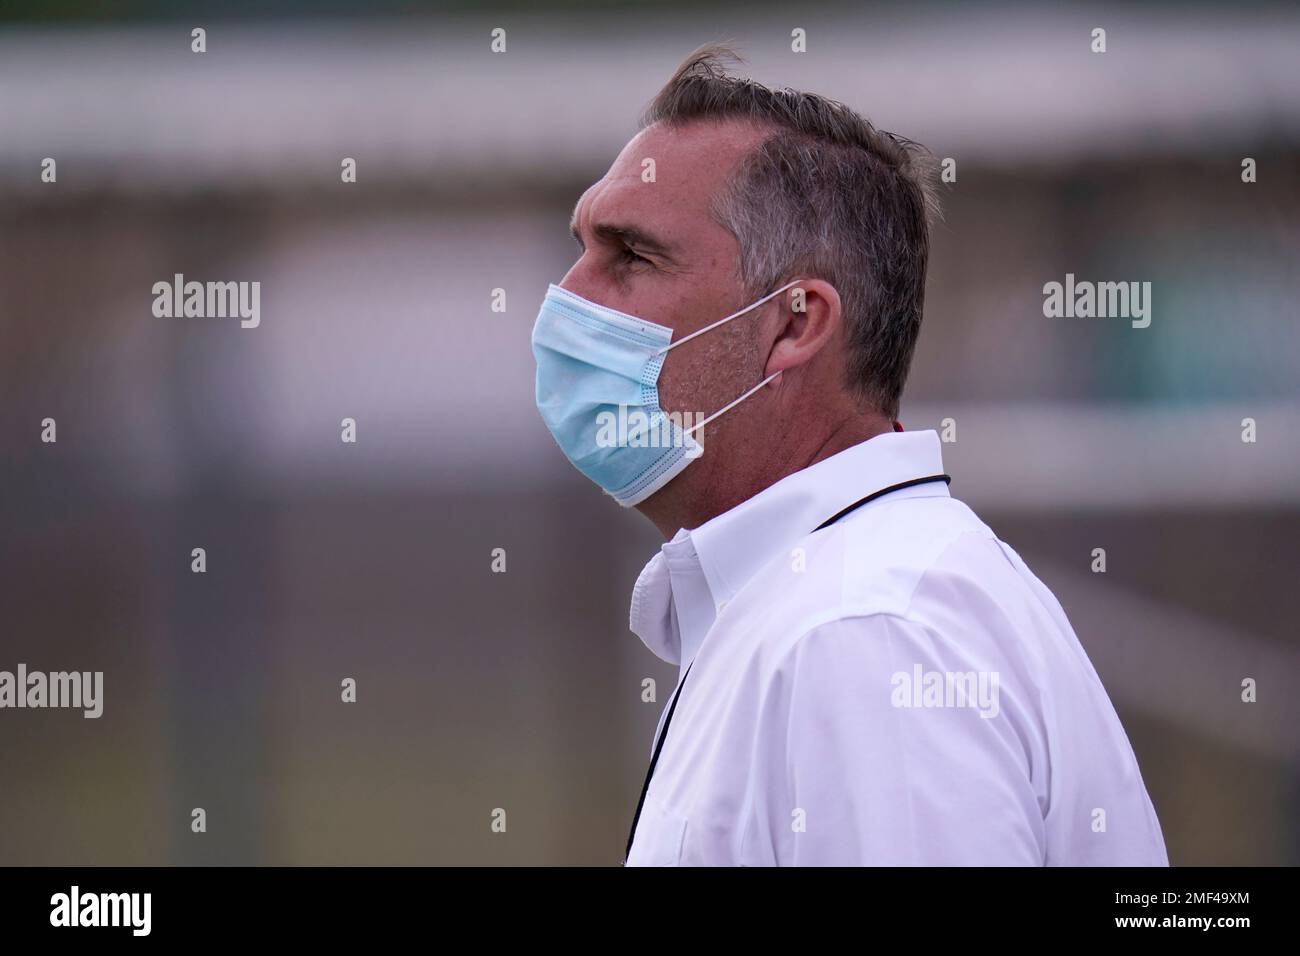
(627, 234)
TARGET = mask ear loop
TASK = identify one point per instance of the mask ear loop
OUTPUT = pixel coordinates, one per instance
(730, 405)
(734, 315)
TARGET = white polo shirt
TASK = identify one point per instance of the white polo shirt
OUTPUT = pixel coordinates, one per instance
(897, 688)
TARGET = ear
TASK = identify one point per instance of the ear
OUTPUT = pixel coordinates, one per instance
(805, 324)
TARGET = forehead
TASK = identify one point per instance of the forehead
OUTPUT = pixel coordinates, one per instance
(690, 164)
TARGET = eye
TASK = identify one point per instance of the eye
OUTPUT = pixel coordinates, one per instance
(627, 255)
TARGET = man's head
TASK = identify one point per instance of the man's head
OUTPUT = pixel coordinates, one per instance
(729, 191)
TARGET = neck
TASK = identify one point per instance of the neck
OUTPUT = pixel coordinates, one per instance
(689, 507)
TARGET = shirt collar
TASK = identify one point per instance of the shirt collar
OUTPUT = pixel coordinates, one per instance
(697, 572)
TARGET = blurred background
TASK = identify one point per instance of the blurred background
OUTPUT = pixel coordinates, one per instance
(521, 691)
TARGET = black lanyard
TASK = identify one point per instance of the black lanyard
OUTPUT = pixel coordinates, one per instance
(654, 759)
(877, 494)
(659, 744)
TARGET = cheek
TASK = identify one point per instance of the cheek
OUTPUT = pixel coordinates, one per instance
(705, 377)
(675, 391)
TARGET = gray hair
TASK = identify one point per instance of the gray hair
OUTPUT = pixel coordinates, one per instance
(826, 195)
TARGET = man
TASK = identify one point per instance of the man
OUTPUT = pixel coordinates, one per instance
(868, 675)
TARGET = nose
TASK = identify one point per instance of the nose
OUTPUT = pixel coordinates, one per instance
(579, 281)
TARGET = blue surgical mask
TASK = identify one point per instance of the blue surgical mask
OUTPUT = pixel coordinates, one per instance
(597, 390)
